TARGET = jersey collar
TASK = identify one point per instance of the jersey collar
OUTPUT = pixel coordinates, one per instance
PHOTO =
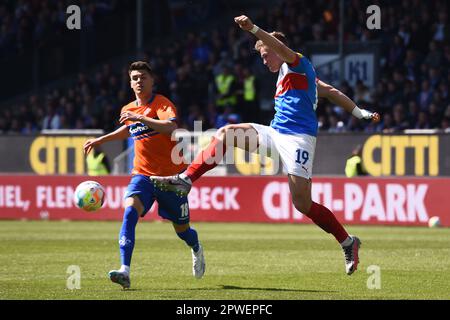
(149, 100)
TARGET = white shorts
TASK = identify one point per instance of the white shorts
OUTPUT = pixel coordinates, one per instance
(296, 151)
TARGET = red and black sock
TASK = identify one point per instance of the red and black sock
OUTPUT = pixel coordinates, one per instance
(326, 220)
(207, 159)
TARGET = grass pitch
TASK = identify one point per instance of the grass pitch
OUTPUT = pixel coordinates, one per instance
(244, 261)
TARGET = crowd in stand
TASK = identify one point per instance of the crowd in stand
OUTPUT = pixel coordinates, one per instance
(25, 24)
(215, 76)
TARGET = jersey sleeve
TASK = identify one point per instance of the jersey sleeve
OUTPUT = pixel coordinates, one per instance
(167, 111)
(297, 65)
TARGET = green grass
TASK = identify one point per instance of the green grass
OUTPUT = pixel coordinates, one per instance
(244, 261)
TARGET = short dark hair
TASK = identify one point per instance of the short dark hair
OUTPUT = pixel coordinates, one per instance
(140, 65)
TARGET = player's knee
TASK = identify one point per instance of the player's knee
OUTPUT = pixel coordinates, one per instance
(220, 133)
(302, 204)
(225, 132)
(180, 228)
(136, 204)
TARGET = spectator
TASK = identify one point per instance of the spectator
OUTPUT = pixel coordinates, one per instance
(97, 163)
(425, 95)
(400, 120)
(396, 52)
(52, 120)
(434, 56)
(227, 117)
(354, 165)
(413, 113)
(422, 121)
(249, 92)
(226, 87)
(442, 28)
(362, 93)
(434, 116)
(445, 125)
(195, 114)
(415, 73)
(387, 124)
(335, 125)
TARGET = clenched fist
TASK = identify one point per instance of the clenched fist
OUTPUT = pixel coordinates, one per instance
(375, 117)
(244, 22)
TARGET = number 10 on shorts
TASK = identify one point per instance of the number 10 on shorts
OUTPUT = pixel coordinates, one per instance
(302, 156)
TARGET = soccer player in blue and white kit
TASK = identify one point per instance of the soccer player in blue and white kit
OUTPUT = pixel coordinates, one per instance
(292, 133)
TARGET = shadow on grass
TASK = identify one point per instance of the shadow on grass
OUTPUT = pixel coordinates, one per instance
(228, 287)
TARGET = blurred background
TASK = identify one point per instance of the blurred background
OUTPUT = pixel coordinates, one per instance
(60, 86)
(56, 78)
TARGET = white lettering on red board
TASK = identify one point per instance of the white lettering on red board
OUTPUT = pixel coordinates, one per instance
(277, 202)
(11, 197)
(51, 197)
(217, 198)
(392, 202)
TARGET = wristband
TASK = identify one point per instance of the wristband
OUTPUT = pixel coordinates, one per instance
(361, 113)
(357, 112)
(254, 29)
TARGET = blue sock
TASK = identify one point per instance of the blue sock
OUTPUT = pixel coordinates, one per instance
(190, 237)
(126, 235)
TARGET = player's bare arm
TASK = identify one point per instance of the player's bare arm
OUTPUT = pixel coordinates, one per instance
(162, 126)
(283, 51)
(119, 134)
(337, 97)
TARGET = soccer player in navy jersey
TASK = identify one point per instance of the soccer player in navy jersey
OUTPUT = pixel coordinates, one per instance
(292, 133)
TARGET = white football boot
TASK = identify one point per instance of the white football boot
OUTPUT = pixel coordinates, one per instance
(198, 262)
(351, 255)
(120, 277)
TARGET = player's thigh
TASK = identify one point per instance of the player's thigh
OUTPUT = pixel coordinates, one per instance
(243, 136)
(267, 137)
(300, 188)
(173, 207)
(297, 153)
(140, 194)
(136, 203)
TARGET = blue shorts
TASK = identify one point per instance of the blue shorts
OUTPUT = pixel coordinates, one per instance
(170, 206)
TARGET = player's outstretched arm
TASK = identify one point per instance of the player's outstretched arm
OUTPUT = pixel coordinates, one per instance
(329, 92)
(118, 134)
(283, 51)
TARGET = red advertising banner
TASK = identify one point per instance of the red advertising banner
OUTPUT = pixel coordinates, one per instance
(387, 201)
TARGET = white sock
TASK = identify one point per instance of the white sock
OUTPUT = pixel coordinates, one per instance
(185, 178)
(125, 269)
(347, 242)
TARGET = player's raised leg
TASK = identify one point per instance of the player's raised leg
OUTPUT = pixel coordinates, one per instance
(188, 234)
(242, 135)
(301, 196)
(133, 209)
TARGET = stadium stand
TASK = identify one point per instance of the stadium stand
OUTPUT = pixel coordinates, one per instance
(412, 92)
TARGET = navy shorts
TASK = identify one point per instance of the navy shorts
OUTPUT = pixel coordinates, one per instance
(170, 206)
